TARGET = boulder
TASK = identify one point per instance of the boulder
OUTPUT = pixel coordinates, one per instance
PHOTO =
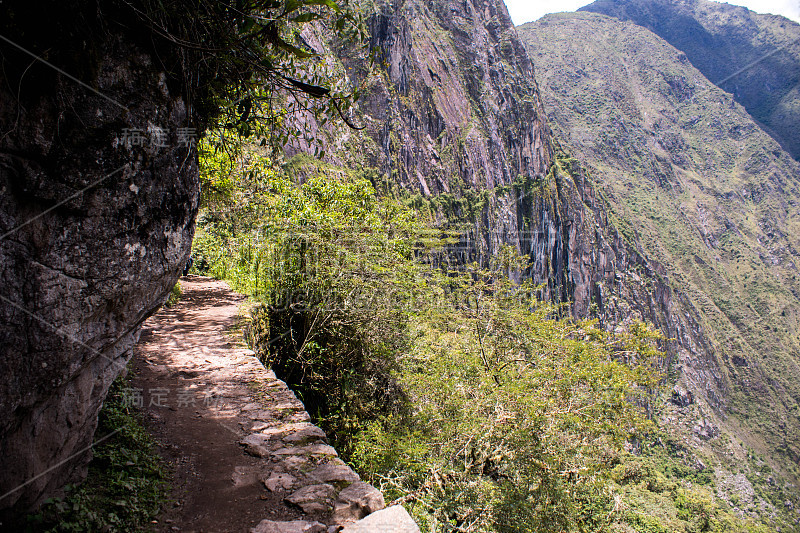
(313, 498)
(308, 450)
(305, 436)
(280, 481)
(335, 473)
(357, 501)
(98, 197)
(295, 526)
(393, 519)
(256, 445)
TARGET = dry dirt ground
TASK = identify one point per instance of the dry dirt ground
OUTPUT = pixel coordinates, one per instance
(202, 391)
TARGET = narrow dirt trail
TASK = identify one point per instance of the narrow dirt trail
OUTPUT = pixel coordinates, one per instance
(186, 369)
(239, 441)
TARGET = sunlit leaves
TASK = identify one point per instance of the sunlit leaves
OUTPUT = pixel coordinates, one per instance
(516, 409)
(511, 414)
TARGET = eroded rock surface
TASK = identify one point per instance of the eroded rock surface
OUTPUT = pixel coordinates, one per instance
(94, 231)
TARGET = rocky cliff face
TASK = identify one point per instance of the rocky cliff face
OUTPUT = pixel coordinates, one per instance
(456, 105)
(682, 188)
(96, 222)
(453, 113)
(752, 56)
(453, 109)
(709, 198)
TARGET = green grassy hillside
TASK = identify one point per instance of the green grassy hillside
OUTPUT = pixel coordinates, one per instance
(713, 200)
(753, 56)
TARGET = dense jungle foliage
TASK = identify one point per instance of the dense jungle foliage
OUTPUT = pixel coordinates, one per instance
(451, 387)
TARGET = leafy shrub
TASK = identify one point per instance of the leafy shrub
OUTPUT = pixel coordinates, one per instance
(516, 415)
(174, 295)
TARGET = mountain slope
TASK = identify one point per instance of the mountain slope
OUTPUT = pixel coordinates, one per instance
(454, 122)
(755, 57)
(710, 198)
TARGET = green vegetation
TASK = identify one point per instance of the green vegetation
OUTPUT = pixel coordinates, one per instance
(174, 295)
(127, 482)
(450, 387)
(330, 262)
(515, 416)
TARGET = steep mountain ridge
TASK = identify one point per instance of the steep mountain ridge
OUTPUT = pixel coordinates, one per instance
(494, 113)
(710, 198)
(753, 56)
(543, 204)
(454, 119)
(442, 119)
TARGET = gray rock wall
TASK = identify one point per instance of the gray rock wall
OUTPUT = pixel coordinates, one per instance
(95, 227)
(457, 105)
